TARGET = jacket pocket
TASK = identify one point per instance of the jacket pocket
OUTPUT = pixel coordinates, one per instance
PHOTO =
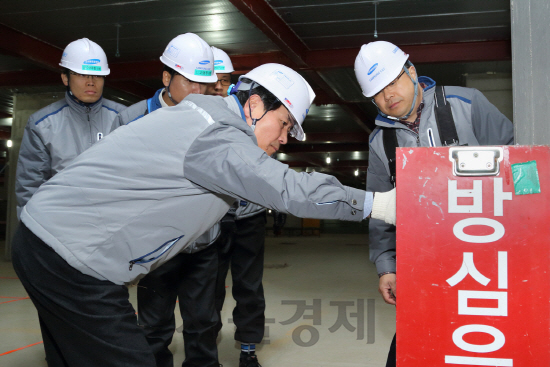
(156, 253)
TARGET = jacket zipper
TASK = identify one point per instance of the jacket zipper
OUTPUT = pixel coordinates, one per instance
(163, 248)
(88, 110)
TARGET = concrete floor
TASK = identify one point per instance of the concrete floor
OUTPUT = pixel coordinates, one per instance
(333, 269)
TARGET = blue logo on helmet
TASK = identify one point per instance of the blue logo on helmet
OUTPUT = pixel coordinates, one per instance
(204, 62)
(218, 62)
(372, 69)
(92, 61)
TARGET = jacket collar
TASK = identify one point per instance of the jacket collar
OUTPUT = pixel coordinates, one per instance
(153, 103)
(235, 106)
(90, 109)
(427, 98)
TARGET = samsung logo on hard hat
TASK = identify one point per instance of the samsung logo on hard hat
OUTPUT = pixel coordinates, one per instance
(218, 62)
(92, 61)
(372, 69)
(204, 62)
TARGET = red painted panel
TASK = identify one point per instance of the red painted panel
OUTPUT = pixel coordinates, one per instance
(471, 295)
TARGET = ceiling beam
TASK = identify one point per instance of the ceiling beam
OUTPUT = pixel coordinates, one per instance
(316, 59)
(244, 63)
(263, 16)
(20, 44)
(37, 77)
(420, 54)
(338, 58)
(152, 69)
(138, 70)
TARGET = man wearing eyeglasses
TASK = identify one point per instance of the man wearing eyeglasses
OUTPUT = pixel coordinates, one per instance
(58, 133)
(409, 115)
(223, 67)
(189, 277)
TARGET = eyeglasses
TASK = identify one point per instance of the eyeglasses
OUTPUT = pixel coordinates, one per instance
(94, 77)
(389, 86)
(224, 82)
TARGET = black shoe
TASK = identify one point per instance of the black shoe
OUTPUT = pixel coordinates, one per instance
(249, 361)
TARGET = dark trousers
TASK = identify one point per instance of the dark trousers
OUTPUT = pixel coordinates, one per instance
(85, 322)
(191, 278)
(391, 355)
(244, 251)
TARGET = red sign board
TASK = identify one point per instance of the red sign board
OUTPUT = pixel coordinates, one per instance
(473, 256)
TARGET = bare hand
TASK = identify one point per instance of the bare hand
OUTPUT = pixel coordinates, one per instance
(387, 288)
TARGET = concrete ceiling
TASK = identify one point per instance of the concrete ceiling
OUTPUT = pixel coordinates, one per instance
(321, 38)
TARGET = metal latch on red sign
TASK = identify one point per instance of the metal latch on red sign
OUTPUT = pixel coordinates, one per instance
(476, 161)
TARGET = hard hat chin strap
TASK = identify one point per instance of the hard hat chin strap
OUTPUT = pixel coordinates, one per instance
(253, 126)
(415, 84)
(85, 104)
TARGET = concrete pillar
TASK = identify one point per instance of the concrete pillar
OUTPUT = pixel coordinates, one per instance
(531, 70)
(24, 105)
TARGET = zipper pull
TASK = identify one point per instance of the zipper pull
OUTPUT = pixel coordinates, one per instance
(131, 265)
(88, 109)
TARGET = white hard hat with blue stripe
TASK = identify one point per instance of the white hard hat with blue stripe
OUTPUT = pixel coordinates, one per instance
(85, 57)
(288, 86)
(190, 56)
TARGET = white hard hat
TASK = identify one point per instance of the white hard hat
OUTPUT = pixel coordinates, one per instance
(222, 62)
(288, 86)
(192, 57)
(85, 57)
(377, 65)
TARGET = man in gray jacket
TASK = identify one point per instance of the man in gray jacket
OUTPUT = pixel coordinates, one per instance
(241, 245)
(406, 108)
(58, 133)
(149, 190)
(190, 276)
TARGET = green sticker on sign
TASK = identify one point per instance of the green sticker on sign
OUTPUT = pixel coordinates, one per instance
(203, 72)
(526, 178)
(91, 67)
(219, 67)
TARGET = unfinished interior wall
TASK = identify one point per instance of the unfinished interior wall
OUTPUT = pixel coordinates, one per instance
(24, 105)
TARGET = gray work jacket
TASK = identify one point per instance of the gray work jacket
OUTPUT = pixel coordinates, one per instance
(141, 109)
(477, 122)
(149, 189)
(54, 136)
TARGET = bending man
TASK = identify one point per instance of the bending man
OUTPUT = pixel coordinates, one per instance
(148, 191)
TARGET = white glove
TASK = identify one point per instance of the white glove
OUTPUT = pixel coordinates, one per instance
(383, 206)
